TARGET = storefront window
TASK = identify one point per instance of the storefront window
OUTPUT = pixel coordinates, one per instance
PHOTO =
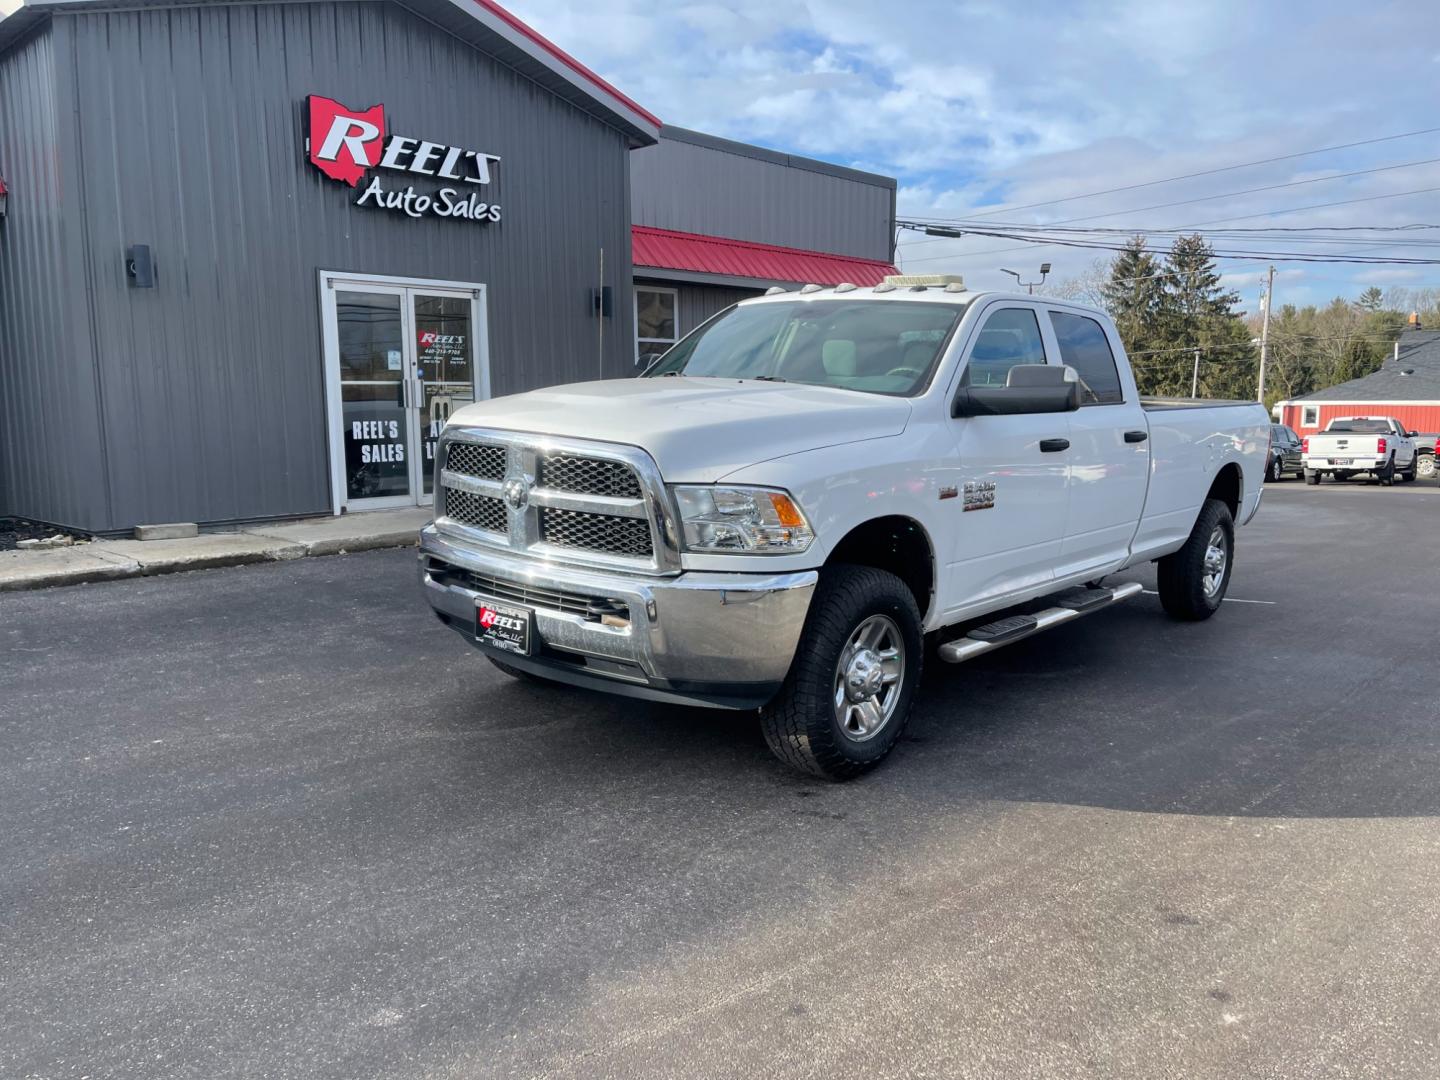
(657, 322)
(444, 355)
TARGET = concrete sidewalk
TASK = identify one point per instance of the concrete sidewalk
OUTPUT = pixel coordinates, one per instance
(102, 560)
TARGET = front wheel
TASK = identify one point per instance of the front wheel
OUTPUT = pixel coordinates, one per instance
(1425, 467)
(847, 698)
(1193, 581)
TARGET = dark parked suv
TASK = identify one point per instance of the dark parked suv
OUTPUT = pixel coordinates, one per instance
(1285, 451)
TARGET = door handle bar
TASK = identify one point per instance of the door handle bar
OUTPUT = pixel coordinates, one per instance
(1054, 446)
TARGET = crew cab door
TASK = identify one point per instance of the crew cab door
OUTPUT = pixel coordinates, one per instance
(1006, 520)
(1108, 463)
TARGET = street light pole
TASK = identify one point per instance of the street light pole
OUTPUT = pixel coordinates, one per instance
(1265, 332)
(1029, 285)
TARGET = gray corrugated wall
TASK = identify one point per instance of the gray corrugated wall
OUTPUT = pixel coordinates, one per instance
(698, 302)
(50, 436)
(698, 189)
(192, 142)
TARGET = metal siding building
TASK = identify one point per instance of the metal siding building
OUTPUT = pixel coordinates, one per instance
(218, 393)
(738, 219)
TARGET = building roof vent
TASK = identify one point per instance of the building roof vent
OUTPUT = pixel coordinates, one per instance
(1407, 371)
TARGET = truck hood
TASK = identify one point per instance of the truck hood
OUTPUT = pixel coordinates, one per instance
(697, 429)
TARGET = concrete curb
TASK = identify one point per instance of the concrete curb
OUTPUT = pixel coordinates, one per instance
(107, 560)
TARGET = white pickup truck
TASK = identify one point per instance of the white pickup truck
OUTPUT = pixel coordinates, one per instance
(796, 495)
(1378, 445)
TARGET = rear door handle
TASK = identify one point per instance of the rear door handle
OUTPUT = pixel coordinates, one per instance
(1136, 436)
(1054, 446)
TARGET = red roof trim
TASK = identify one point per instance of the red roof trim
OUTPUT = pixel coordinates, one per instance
(667, 249)
(566, 59)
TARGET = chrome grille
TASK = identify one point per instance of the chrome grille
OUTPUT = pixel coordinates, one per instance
(529, 594)
(588, 476)
(476, 459)
(477, 511)
(596, 532)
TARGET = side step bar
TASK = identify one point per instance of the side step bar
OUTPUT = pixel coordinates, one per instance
(1069, 605)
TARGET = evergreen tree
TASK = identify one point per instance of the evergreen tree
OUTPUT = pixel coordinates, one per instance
(1370, 299)
(1132, 295)
(1196, 311)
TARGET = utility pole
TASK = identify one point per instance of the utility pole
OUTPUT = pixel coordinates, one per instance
(1265, 332)
(1195, 376)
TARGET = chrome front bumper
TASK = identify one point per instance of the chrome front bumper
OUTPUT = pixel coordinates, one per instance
(723, 639)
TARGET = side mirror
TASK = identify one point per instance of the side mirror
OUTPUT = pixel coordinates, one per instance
(645, 361)
(1029, 388)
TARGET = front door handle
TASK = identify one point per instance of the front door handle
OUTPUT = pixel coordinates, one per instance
(1136, 436)
(1054, 446)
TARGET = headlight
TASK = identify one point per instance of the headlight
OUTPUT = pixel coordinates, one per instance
(755, 521)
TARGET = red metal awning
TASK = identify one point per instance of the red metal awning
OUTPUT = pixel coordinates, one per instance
(665, 249)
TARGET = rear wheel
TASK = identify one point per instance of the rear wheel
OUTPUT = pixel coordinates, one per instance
(1193, 581)
(1386, 475)
(1311, 476)
(847, 697)
(1425, 467)
(1411, 473)
(1277, 470)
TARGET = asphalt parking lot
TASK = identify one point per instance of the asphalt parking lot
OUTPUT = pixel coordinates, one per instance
(275, 821)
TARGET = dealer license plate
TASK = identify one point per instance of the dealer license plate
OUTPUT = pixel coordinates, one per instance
(503, 627)
(1340, 461)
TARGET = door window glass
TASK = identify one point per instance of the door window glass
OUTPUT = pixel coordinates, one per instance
(1084, 347)
(372, 394)
(444, 357)
(1010, 336)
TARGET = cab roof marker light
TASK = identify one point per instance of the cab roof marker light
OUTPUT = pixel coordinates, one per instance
(812, 288)
(884, 286)
(774, 290)
(845, 286)
(955, 286)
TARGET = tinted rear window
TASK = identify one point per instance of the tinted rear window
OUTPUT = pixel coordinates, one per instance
(1361, 427)
(1084, 347)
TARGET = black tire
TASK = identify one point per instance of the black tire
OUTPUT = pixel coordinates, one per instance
(1386, 475)
(1181, 577)
(1311, 476)
(1411, 474)
(800, 725)
(514, 672)
(1276, 471)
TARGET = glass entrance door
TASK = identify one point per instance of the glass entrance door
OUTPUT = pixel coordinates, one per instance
(400, 357)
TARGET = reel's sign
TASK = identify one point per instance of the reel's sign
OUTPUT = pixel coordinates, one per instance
(346, 144)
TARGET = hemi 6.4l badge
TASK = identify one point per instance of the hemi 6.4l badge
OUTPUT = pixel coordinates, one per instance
(979, 495)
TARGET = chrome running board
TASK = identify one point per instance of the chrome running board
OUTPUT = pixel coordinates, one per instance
(1072, 605)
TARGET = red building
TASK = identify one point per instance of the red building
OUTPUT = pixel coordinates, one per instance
(1407, 387)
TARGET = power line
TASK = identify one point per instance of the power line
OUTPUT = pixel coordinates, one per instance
(1244, 191)
(1209, 172)
(1140, 231)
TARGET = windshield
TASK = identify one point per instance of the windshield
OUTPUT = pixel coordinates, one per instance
(882, 347)
(1361, 427)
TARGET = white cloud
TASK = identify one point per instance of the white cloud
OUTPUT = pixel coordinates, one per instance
(971, 102)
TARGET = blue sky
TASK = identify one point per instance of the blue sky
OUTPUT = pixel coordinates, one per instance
(975, 106)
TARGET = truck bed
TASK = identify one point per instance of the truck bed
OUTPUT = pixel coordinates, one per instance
(1161, 404)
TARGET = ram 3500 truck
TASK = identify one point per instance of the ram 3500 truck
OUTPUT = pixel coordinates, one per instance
(1378, 445)
(790, 500)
